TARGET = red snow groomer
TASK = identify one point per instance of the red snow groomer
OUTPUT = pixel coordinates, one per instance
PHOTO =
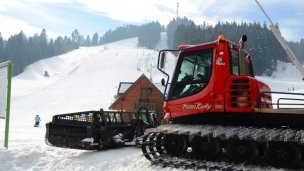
(217, 110)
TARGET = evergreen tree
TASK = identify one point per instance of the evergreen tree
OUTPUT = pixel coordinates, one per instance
(88, 41)
(1, 48)
(70, 44)
(75, 38)
(149, 35)
(172, 26)
(34, 48)
(15, 51)
(100, 40)
(23, 51)
(261, 44)
(298, 48)
(50, 49)
(95, 39)
(124, 32)
(58, 46)
(43, 44)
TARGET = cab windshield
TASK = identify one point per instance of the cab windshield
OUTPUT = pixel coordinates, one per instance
(192, 73)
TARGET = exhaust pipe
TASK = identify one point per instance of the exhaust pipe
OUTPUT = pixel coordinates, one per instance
(242, 41)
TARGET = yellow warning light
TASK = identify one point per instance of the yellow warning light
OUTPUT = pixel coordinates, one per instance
(221, 38)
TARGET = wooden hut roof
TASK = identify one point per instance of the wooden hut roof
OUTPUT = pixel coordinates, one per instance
(125, 87)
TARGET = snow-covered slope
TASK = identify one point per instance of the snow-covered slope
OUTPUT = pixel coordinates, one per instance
(84, 79)
(285, 78)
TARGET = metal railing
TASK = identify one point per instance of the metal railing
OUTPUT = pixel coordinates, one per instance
(97, 117)
(279, 104)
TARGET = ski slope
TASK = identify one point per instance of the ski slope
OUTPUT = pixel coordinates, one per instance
(87, 79)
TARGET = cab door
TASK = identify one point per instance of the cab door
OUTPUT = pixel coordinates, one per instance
(240, 88)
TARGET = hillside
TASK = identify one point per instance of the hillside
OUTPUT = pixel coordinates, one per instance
(84, 79)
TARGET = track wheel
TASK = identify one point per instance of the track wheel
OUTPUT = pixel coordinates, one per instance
(281, 154)
(242, 151)
(205, 147)
(175, 144)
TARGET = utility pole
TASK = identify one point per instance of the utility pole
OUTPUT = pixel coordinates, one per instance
(294, 59)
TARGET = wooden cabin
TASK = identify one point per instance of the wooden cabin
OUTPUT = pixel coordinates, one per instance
(142, 94)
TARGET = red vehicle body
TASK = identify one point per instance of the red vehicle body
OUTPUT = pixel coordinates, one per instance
(226, 87)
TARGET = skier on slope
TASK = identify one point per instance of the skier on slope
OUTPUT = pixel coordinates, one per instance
(37, 121)
(46, 74)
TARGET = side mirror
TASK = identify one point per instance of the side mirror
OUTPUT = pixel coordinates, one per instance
(162, 60)
(163, 82)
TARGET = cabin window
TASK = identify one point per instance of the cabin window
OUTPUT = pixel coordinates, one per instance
(240, 64)
(193, 72)
(235, 63)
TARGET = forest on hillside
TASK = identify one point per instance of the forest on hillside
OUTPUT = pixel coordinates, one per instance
(262, 45)
(23, 50)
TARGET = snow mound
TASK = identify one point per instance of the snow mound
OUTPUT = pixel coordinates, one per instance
(285, 78)
(286, 71)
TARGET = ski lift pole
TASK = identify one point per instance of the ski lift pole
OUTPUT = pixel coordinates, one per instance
(9, 76)
(8, 67)
(294, 59)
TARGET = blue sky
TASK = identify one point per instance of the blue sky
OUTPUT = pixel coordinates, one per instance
(61, 17)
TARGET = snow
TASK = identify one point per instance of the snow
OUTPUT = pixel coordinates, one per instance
(86, 79)
(285, 78)
(123, 87)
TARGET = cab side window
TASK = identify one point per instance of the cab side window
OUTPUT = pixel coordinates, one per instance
(240, 64)
(244, 64)
(234, 63)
